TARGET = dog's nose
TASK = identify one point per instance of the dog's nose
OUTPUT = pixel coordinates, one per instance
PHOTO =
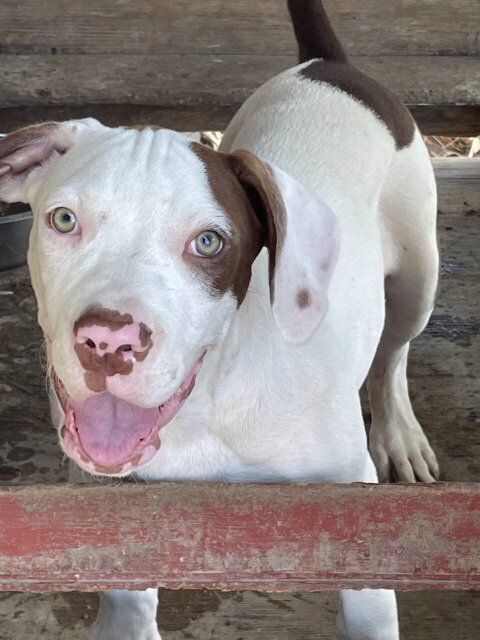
(109, 339)
(108, 342)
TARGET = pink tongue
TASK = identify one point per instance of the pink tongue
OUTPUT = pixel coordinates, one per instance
(111, 429)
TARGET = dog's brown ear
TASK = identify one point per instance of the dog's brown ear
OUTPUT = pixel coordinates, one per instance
(25, 151)
(301, 236)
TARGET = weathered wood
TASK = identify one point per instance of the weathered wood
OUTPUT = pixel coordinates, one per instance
(193, 81)
(190, 65)
(265, 537)
(458, 184)
(446, 120)
(225, 27)
(439, 120)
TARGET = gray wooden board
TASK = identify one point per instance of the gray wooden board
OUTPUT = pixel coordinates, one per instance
(170, 80)
(458, 184)
(197, 56)
(439, 120)
(226, 27)
(444, 373)
(202, 615)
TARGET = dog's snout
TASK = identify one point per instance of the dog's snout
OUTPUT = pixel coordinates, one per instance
(108, 342)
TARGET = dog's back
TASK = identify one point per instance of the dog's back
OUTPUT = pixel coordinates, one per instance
(351, 141)
(311, 123)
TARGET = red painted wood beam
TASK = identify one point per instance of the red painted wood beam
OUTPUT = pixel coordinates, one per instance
(263, 537)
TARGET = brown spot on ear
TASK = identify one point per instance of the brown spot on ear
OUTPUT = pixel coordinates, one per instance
(369, 92)
(103, 345)
(304, 299)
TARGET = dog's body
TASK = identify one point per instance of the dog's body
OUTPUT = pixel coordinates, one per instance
(263, 408)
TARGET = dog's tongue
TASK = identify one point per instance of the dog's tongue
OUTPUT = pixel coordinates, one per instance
(111, 429)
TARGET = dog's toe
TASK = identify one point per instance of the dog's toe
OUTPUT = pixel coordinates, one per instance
(402, 453)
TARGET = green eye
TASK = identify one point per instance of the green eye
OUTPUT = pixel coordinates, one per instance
(63, 220)
(207, 244)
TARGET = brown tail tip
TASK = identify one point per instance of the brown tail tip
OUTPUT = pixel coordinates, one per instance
(314, 34)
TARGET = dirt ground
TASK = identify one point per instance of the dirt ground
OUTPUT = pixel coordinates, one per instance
(444, 374)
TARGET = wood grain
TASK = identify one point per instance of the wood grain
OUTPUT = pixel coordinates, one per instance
(117, 27)
(193, 81)
(438, 120)
(191, 65)
(458, 184)
(264, 537)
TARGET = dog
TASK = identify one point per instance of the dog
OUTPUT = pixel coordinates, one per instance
(211, 315)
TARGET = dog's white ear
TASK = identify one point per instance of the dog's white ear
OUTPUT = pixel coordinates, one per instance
(301, 236)
(26, 150)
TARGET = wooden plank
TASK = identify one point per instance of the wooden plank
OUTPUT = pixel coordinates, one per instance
(446, 120)
(432, 120)
(458, 184)
(376, 27)
(192, 81)
(264, 537)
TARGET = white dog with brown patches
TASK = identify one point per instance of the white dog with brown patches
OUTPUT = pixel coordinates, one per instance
(264, 283)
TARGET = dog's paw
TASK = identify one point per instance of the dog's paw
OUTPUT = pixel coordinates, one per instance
(401, 453)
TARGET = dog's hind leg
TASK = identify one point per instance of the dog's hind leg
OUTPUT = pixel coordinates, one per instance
(398, 445)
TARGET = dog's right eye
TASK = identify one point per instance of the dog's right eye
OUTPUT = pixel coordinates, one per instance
(64, 221)
(207, 244)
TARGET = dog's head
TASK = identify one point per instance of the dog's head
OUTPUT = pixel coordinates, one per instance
(140, 254)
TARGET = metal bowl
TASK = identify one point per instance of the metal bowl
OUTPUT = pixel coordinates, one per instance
(15, 225)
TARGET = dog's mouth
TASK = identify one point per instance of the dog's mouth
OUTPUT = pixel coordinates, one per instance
(105, 434)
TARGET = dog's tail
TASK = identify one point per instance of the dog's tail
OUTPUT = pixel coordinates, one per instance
(314, 34)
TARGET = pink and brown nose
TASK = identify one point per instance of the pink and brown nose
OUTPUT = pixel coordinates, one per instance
(108, 343)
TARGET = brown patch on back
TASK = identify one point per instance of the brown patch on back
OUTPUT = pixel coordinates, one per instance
(304, 299)
(244, 187)
(369, 92)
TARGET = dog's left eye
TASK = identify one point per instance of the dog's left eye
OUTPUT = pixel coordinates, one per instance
(63, 220)
(207, 244)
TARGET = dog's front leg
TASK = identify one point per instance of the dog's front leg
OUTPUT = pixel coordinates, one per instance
(126, 615)
(123, 615)
(369, 614)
